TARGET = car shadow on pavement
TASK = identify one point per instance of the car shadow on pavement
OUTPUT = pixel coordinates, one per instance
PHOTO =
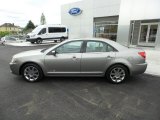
(86, 80)
(130, 80)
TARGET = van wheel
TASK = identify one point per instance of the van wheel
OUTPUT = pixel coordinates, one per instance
(62, 39)
(39, 41)
(32, 42)
(117, 74)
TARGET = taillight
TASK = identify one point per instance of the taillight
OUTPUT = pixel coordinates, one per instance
(142, 54)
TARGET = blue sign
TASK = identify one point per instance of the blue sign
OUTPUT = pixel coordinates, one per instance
(75, 11)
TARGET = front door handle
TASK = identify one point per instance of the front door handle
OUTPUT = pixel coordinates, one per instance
(74, 58)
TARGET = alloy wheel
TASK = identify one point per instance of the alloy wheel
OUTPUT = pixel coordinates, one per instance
(117, 74)
(31, 73)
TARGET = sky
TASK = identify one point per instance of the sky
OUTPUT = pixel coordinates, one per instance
(20, 12)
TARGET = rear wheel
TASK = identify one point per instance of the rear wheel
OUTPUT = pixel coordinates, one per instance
(55, 41)
(32, 42)
(39, 41)
(117, 74)
(32, 72)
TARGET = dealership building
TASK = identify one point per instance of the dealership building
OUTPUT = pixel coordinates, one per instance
(129, 22)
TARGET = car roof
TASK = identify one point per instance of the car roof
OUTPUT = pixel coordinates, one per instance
(95, 39)
(98, 39)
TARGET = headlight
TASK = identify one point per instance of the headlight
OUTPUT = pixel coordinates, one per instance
(33, 35)
(13, 60)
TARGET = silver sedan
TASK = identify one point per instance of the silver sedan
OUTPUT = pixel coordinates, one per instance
(81, 57)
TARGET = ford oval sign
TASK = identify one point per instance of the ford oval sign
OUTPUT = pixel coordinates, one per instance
(75, 11)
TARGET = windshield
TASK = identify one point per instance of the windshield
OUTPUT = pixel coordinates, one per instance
(37, 29)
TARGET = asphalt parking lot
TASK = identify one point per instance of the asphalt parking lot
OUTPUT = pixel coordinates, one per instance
(75, 98)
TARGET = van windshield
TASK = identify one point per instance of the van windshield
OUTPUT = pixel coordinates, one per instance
(37, 29)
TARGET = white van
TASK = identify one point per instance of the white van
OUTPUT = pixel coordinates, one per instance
(48, 32)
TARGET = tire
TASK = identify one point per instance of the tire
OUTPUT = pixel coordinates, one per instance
(32, 72)
(32, 42)
(39, 41)
(62, 39)
(55, 41)
(117, 74)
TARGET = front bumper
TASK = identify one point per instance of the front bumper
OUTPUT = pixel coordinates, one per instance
(31, 39)
(139, 68)
(14, 68)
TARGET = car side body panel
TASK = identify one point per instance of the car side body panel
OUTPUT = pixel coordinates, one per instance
(63, 64)
(96, 63)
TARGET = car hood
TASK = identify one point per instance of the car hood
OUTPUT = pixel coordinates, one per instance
(32, 33)
(28, 53)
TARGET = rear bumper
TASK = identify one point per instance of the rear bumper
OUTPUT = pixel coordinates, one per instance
(139, 68)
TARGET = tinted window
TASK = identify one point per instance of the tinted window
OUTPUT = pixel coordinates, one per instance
(43, 31)
(63, 29)
(56, 29)
(98, 47)
(72, 47)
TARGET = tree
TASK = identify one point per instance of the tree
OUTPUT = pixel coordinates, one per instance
(29, 27)
(43, 19)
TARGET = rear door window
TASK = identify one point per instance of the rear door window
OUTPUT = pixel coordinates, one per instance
(97, 46)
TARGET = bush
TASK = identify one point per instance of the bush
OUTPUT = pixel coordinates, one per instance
(2, 34)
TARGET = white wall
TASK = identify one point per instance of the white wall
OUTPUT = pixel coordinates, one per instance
(103, 8)
(81, 25)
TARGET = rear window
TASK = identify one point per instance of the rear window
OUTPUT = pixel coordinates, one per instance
(56, 29)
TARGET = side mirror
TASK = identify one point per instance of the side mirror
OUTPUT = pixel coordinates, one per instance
(54, 52)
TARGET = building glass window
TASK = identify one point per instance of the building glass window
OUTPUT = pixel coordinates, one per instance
(144, 32)
(106, 30)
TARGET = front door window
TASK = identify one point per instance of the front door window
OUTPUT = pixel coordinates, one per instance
(71, 47)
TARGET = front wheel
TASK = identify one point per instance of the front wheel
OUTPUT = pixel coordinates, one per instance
(62, 39)
(32, 72)
(117, 74)
(39, 41)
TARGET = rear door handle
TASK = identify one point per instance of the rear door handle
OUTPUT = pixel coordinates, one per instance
(74, 57)
(109, 57)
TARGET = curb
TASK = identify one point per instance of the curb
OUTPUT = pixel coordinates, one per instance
(29, 45)
(154, 75)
